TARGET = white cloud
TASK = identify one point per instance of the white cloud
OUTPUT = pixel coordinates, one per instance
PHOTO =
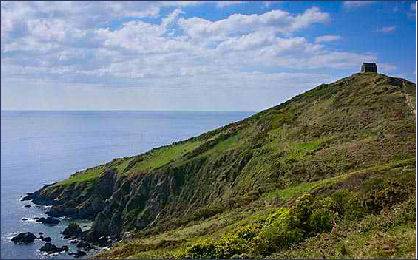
(327, 38)
(80, 14)
(248, 41)
(52, 30)
(355, 4)
(236, 24)
(387, 29)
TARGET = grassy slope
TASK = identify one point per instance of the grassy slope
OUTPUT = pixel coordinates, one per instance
(385, 234)
(142, 163)
(319, 175)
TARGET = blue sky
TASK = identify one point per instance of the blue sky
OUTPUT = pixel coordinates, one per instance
(193, 55)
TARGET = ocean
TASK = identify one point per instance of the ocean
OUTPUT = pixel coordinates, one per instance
(38, 148)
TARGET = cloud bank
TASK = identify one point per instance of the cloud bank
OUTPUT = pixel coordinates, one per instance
(132, 45)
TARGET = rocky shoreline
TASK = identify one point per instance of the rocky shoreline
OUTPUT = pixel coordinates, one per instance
(50, 248)
(83, 240)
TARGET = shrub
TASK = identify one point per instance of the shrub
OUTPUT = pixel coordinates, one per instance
(347, 204)
(279, 232)
(320, 220)
(229, 246)
(302, 209)
(248, 232)
(379, 194)
(205, 249)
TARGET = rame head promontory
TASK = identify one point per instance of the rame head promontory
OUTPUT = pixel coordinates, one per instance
(324, 162)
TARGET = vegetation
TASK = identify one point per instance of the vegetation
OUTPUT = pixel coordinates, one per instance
(329, 173)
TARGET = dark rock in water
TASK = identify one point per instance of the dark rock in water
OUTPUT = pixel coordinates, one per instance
(41, 233)
(46, 239)
(79, 253)
(41, 237)
(38, 198)
(28, 206)
(85, 245)
(72, 231)
(24, 219)
(28, 196)
(25, 238)
(50, 248)
(74, 241)
(61, 211)
(48, 221)
(64, 248)
(36, 218)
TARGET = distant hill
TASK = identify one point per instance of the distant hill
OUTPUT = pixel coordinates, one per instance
(329, 173)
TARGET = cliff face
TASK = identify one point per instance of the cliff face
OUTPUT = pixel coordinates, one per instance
(318, 137)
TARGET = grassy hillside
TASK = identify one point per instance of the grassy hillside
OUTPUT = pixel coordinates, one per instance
(329, 173)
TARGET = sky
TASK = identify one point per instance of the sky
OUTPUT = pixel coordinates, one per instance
(199, 56)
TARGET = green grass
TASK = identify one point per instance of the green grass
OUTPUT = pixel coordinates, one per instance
(122, 164)
(298, 151)
(153, 160)
(310, 146)
(292, 192)
(306, 187)
(87, 176)
(164, 155)
(229, 143)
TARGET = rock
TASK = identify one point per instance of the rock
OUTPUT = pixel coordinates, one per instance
(40, 233)
(39, 198)
(79, 253)
(48, 221)
(115, 224)
(64, 248)
(72, 231)
(29, 196)
(61, 211)
(36, 218)
(50, 248)
(41, 237)
(25, 238)
(85, 245)
(24, 219)
(28, 206)
(46, 239)
(74, 241)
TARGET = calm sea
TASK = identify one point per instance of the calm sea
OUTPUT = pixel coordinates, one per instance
(38, 148)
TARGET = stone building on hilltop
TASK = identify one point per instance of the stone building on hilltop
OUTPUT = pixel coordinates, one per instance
(369, 67)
